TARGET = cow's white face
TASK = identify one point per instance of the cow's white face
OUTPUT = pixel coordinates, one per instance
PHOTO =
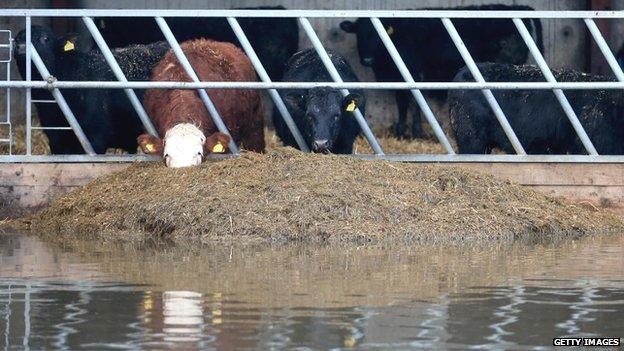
(184, 146)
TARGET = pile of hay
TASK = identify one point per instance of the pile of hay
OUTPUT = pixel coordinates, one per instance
(40, 144)
(287, 195)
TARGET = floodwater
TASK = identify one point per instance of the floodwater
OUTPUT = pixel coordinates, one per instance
(497, 296)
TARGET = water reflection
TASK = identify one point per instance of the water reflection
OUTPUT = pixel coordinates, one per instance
(306, 297)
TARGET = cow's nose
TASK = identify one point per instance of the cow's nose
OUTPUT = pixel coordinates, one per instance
(320, 145)
(367, 61)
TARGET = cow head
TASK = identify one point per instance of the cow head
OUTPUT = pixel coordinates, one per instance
(48, 45)
(324, 110)
(184, 145)
(369, 44)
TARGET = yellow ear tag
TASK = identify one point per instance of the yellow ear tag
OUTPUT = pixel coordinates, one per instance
(218, 149)
(69, 46)
(351, 106)
(150, 147)
(390, 30)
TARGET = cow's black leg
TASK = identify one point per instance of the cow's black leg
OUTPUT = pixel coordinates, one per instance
(402, 100)
(416, 127)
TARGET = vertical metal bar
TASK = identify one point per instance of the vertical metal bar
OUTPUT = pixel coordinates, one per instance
(8, 94)
(407, 76)
(60, 100)
(318, 46)
(565, 104)
(277, 99)
(472, 66)
(177, 50)
(28, 90)
(604, 47)
(110, 59)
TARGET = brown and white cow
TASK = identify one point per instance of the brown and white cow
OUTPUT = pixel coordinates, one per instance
(181, 117)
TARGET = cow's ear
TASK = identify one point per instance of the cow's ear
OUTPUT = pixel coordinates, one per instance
(217, 143)
(352, 101)
(150, 144)
(348, 26)
(296, 98)
(68, 42)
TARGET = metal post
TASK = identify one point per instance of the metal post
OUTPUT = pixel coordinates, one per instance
(565, 104)
(177, 50)
(8, 93)
(60, 100)
(110, 59)
(472, 66)
(407, 76)
(28, 90)
(318, 46)
(277, 99)
(604, 47)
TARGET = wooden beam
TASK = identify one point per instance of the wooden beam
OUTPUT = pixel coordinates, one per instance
(25, 187)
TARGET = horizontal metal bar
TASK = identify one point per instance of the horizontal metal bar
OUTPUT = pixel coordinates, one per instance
(76, 158)
(419, 158)
(308, 85)
(440, 158)
(43, 101)
(307, 13)
(51, 128)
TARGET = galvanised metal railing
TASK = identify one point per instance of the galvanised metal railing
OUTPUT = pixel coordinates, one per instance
(303, 15)
(5, 123)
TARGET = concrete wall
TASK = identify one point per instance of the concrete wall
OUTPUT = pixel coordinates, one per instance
(564, 40)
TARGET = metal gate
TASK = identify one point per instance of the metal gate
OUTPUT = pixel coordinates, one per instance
(303, 16)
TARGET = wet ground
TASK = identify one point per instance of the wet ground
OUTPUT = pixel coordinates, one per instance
(501, 296)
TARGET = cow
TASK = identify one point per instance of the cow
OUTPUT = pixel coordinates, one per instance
(536, 116)
(106, 116)
(324, 117)
(181, 117)
(274, 39)
(431, 56)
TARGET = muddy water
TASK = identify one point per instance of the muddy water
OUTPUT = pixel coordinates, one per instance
(381, 297)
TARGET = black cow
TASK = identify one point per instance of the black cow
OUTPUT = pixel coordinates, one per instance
(535, 115)
(429, 53)
(274, 39)
(324, 117)
(106, 116)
